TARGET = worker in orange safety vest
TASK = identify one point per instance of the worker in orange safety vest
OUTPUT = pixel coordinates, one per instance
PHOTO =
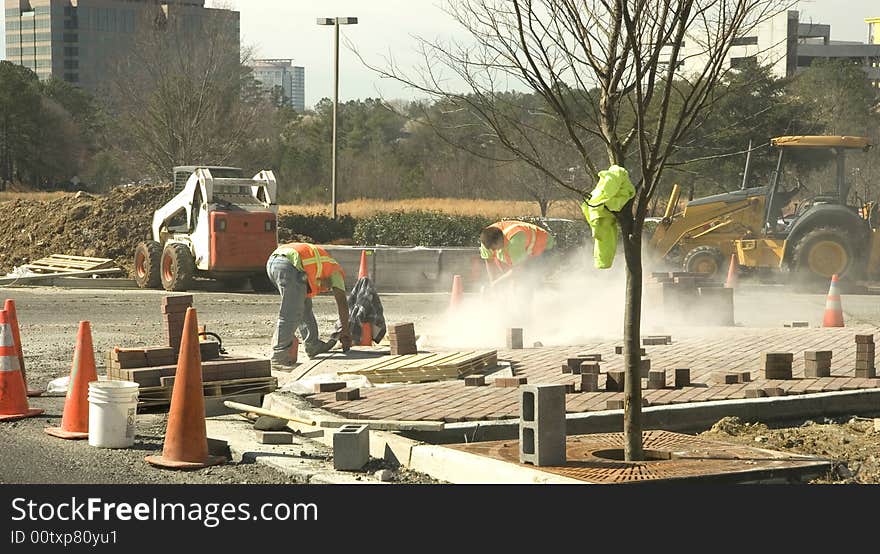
(300, 272)
(510, 246)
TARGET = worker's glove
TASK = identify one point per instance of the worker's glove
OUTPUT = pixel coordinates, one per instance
(345, 341)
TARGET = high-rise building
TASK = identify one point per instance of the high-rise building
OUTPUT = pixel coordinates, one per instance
(79, 40)
(787, 45)
(283, 78)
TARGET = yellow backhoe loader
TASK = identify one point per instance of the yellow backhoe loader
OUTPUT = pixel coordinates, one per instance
(822, 236)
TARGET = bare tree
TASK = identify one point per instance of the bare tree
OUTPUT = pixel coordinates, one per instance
(184, 95)
(631, 76)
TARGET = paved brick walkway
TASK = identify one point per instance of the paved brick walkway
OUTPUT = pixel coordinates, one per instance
(716, 350)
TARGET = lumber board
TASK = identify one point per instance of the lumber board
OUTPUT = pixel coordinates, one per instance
(57, 263)
(425, 367)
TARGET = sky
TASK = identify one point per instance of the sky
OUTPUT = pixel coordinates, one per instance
(288, 29)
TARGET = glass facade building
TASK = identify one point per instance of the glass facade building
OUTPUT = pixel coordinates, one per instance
(283, 78)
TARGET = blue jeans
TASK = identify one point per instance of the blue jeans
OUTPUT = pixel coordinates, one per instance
(296, 310)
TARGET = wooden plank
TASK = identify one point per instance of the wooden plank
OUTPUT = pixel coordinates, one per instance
(44, 276)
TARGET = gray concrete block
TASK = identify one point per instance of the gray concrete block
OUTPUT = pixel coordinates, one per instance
(515, 338)
(274, 437)
(656, 379)
(351, 447)
(589, 382)
(542, 425)
(682, 377)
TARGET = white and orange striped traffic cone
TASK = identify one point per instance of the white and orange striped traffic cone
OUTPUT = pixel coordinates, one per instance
(13, 395)
(833, 307)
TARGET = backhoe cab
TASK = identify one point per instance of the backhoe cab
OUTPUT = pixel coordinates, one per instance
(821, 237)
(219, 225)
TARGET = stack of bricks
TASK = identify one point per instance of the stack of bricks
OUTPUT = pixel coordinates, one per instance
(777, 365)
(403, 339)
(865, 357)
(817, 363)
(690, 297)
(590, 376)
(174, 312)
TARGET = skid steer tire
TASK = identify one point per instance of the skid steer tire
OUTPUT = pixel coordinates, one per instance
(178, 267)
(147, 260)
(707, 260)
(820, 254)
(260, 282)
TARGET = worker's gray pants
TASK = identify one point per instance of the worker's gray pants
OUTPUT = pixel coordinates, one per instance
(296, 310)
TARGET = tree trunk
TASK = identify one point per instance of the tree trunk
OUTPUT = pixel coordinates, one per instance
(632, 403)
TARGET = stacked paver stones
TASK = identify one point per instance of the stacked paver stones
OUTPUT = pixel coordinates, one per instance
(865, 357)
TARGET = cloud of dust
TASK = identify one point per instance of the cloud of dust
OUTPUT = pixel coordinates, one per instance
(579, 305)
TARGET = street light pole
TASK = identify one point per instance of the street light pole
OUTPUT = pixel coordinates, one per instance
(336, 22)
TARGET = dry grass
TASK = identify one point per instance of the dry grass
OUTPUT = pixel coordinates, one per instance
(455, 206)
(41, 196)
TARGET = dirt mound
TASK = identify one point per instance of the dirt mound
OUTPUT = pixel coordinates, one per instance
(103, 226)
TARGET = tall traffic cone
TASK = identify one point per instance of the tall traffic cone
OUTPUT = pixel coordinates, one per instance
(186, 438)
(9, 306)
(75, 420)
(457, 292)
(732, 273)
(13, 396)
(363, 272)
(833, 307)
(366, 328)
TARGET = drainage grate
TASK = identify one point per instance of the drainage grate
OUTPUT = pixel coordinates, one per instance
(598, 458)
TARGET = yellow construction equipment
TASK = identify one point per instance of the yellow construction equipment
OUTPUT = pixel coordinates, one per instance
(822, 236)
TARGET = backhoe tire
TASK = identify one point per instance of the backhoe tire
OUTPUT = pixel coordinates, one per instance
(707, 260)
(821, 253)
(147, 260)
(178, 267)
(260, 282)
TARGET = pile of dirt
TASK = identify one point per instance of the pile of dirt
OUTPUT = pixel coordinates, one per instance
(852, 443)
(102, 226)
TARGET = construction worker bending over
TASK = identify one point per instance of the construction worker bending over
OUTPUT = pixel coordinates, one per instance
(300, 271)
(512, 247)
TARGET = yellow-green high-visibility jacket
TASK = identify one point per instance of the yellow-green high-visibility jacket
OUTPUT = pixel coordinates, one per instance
(611, 194)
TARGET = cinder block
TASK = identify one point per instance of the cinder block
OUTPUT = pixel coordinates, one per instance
(590, 367)
(329, 387)
(864, 356)
(778, 374)
(864, 364)
(682, 377)
(614, 381)
(570, 388)
(744, 377)
(565, 368)
(515, 338)
(574, 365)
(542, 425)
(774, 391)
(474, 380)
(644, 368)
(348, 393)
(351, 447)
(755, 393)
(593, 357)
(510, 381)
(819, 370)
(614, 405)
(657, 379)
(656, 339)
(869, 373)
(589, 382)
(864, 339)
(769, 357)
(274, 437)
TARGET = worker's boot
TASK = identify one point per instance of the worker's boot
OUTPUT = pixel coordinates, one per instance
(319, 347)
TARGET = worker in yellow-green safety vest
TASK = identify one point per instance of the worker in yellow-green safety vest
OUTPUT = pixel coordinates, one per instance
(512, 247)
(301, 271)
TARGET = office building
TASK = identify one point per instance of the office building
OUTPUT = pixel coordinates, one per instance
(80, 41)
(283, 78)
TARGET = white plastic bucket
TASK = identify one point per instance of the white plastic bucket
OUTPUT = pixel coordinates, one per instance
(112, 413)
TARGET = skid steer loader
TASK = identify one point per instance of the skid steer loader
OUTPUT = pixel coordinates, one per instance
(822, 236)
(219, 225)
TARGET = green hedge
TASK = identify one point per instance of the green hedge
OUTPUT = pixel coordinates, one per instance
(320, 229)
(420, 229)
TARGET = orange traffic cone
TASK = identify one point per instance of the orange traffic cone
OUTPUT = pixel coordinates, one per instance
(186, 439)
(363, 271)
(833, 307)
(732, 273)
(13, 396)
(457, 292)
(75, 420)
(9, 306)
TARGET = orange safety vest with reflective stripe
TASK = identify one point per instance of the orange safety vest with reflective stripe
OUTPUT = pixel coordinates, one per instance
(536, 240)
(316, 263)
